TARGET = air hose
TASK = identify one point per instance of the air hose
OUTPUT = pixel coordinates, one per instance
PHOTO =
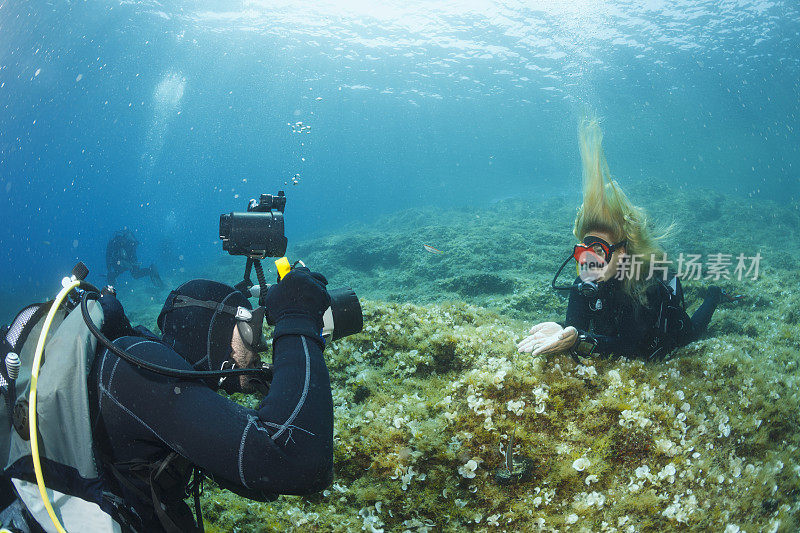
(34, 437)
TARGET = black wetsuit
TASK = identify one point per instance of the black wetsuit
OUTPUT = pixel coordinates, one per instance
(283, 447)
(623, 327)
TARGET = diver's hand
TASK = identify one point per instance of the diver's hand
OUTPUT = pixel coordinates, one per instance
(301, 293)
(540, 331)
(548, 337)
(545, 329)
(115, 322)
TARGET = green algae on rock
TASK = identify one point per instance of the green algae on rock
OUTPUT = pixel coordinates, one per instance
(704, 440)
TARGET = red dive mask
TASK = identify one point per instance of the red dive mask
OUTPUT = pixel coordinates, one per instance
(596, 247)
(591, 255)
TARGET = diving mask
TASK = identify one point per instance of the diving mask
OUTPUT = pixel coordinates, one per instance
(596, 247)
(591, 257)
(250, 325)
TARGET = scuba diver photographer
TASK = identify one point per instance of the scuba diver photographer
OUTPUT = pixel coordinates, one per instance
(155, 422)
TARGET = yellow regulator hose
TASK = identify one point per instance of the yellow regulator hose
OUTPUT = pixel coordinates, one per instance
(37, 361)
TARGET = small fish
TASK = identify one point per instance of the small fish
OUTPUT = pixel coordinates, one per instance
(431, 249)
(48, 243)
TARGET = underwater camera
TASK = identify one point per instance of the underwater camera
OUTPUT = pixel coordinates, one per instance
(259, 233)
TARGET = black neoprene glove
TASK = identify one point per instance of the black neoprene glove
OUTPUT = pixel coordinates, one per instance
(115, 323)
(296, 304)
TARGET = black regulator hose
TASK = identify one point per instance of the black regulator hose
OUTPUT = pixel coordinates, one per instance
(558, 273)
(92, 294)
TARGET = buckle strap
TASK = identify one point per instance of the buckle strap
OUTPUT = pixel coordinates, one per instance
(155, 469)
(180, 300)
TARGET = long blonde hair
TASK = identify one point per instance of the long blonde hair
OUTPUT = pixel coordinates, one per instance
(607, 208)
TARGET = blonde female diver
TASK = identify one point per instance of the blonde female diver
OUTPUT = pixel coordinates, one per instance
(614, 309)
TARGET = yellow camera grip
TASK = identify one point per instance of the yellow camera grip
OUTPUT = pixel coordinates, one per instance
(283, 267)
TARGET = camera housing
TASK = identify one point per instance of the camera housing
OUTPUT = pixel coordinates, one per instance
(257, 233)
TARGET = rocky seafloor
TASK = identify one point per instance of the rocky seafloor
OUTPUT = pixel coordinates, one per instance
(429, 395)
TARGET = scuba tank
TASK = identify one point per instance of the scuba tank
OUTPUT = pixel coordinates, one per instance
(53, 407)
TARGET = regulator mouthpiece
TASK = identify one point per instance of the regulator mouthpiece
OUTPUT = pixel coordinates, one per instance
(589, 289)
(12, 365)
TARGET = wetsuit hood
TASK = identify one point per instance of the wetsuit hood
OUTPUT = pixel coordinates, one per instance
(201, 335)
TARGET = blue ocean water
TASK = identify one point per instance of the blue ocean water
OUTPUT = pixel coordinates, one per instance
(159, 116)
